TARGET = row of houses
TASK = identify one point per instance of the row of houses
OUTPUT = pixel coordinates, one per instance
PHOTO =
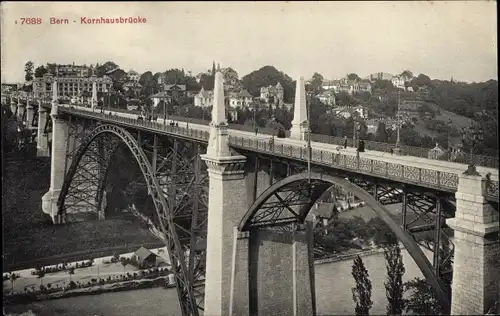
(366, 84)
(347, 85)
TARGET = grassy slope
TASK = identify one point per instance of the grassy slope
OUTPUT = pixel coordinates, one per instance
(29, 234)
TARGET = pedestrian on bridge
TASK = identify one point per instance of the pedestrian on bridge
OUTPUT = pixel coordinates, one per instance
(345, 142)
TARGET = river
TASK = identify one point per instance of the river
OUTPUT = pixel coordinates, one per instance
(333, 294)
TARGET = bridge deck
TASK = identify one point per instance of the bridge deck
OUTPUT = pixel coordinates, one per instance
(448, 171)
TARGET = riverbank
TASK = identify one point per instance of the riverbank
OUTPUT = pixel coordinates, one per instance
(30, 238)
(333, 283)
(94, 290)
(349, 256)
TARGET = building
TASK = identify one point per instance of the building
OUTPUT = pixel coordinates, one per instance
(347, 112)
(347, 85)
(69, 86)
(327, 97)
(175, 91)
(204, 98)
(437, 152)
(147, 258)
(72, 70)
(330, 84)
(399, 81)
(160, 96)
(379, 76)
(133, 76)
(365, 86)
(272, 94)
(132, 86)
(240, 99)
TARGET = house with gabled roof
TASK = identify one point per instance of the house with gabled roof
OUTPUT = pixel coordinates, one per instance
(204, 98)
(147, 258)
(239, 99)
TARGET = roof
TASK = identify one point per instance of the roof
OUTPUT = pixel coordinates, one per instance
(111, 71)
(170, 86)
(438, 148)
(204, 93)
(143, 253)
(245, 94)
(132, 84)
(162, 94)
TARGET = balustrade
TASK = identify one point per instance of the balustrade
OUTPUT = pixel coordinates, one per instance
(420, 176)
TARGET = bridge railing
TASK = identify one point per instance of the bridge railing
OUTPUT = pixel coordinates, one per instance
(447, 181)
(479, 160)
(409, 174)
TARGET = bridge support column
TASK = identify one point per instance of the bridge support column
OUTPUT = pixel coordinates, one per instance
(30, 113)
(276, 270)
(300, 123)
(226, 207)
(13, 106)
(60, 132)
(476, 267)
(42, 144)
(21, 108)
(240, 303)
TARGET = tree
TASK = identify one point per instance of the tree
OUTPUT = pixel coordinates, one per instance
(28, 70)
(51, 68)
(353, 76)
(316, 82)
(40, 71)
(148, 83)
(13, 277)
(345, 99)
(362, 293)
(40, 275)
(422, 80)
(407, 74)
(394, 287)
(266, 76)
(230, 75)
(381, 134)
(383, 84)
(71, 271)
(421, 299)
(124, 264)
(104, 68)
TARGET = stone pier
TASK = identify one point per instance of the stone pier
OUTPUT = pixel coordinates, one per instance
(300, 123)
(476, 267)
(30, 113)
(42, 144)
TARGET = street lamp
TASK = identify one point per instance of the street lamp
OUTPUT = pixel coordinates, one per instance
(397, 149)
(187, 117)
(309, 148)
(471, 136)
(164, 111)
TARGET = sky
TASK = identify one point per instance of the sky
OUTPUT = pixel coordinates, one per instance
(440, 39)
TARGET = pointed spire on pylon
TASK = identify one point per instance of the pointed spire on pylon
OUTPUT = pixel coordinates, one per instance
(219, 108)
(300, 123)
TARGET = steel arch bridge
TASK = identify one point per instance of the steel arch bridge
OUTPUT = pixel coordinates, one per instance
(286, 203)
(180, 216)
(176, 179)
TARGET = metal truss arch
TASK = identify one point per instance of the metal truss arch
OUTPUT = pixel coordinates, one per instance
(266, 212)
(176, 252)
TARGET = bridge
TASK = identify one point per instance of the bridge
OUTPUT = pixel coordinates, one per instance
(233, 205)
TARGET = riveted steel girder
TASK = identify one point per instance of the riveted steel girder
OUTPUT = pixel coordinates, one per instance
(176, 185)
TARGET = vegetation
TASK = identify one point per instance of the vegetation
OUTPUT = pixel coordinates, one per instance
(362, 292)
(394, 287)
